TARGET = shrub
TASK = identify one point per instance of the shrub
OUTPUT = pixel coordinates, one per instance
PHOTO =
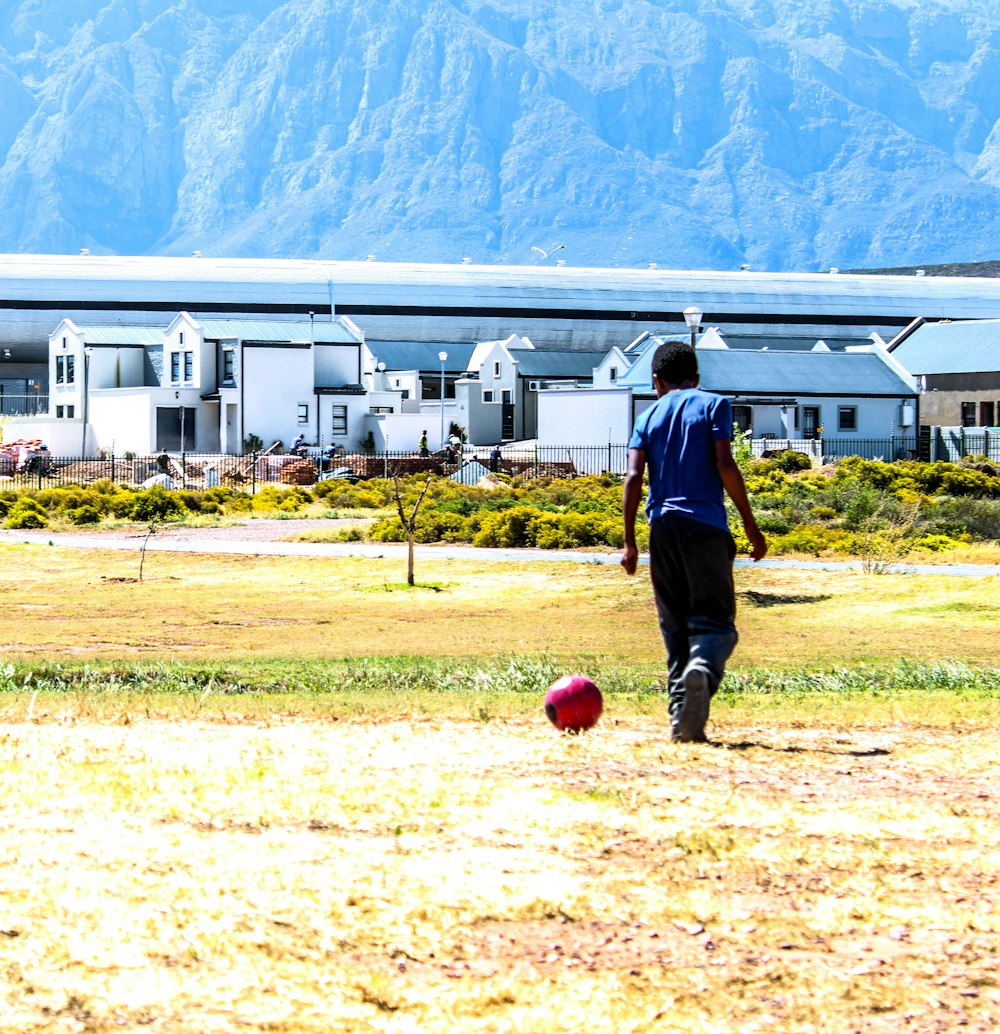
(790, 461)
(936, 543)
(814, 539)
(156, 503)
(83, 515)
(970, 482)
(26, 513)
(436, 525)
(507, 527)
(389, 529)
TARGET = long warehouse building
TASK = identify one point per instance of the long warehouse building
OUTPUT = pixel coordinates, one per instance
(555, 306)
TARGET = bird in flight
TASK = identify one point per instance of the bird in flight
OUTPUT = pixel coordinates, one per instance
(551, 251)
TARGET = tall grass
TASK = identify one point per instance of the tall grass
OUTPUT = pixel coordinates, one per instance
(403, 678)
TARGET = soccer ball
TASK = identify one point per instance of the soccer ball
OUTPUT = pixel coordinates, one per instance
(573, 703)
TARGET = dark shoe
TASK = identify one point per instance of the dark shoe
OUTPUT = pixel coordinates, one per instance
(689, 726)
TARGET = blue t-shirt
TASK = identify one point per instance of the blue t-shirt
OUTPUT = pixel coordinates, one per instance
(678, 435)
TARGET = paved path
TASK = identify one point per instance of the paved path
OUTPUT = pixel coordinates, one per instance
(262, 538)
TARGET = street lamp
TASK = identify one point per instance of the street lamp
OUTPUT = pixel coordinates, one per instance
(692, 317)
(87, 353)
(443, 356)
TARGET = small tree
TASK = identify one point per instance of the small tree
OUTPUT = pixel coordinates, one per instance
(409, 523)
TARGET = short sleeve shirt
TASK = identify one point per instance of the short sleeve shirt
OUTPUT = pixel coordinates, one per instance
(678, 435)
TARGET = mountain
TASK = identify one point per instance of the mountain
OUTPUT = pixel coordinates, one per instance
(786, 134)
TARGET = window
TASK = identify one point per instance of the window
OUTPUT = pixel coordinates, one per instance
(487, 396)
(986, 414)
(613, 374)
(303, 413)
(180, 338)
(65, 369)
(175, 367)
(188, 366)
(496, 368)
(339, 420)
(65, 412)
(508, 396)
(228, 366)
(968, 414)
(847, 418)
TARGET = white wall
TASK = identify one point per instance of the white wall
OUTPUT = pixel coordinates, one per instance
(357, 421)
(63, 437)
(400, 432)
(275, 380)
(337, 365)
(584, 416)
(123, 420)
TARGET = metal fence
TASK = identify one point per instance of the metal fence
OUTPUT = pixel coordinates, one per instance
(954, 443)
(35, 404)
(256, 470)
(898, 447)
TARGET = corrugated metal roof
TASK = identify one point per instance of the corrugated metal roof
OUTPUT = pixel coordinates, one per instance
(422, 355)
(322, 331)
(738, 371)
(556, 362)
(958, 347)
(122, 336)
(140, 278)
(557, 307)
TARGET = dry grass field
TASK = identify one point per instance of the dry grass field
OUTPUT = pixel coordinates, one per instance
(302, 863)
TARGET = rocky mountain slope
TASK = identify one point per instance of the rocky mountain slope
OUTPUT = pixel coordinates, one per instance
(787, 134)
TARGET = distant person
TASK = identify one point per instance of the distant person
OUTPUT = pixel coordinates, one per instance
(163, 462)
(298, 445)
(495, 459)
(422, 444)
(685, 439)
(456, 447)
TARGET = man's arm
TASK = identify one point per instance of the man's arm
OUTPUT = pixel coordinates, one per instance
(631, 497)
(732, 481)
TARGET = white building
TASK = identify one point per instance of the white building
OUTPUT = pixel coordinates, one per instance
(205, 385)
(853, 395)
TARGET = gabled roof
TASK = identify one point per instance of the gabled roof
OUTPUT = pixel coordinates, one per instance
(557, 362)
(134, 337)
(738, 371)
(421, 355)
(322, 331)
(964, 346)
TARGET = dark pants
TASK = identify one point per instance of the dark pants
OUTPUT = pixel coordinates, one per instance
(691, 568)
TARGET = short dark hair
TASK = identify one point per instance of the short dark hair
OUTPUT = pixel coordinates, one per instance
(675, 362)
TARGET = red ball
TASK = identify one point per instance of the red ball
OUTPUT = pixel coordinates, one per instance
(573, 703)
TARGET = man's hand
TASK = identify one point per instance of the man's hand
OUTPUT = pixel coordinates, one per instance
(630, 558)
(758, 544)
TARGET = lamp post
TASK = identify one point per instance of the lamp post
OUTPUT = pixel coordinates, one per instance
(692, 317)
(443, 356)
(87, 353)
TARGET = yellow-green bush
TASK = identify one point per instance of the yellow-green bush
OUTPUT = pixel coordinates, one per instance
(26, 513)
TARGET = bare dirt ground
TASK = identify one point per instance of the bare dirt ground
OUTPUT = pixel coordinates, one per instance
(291, 875)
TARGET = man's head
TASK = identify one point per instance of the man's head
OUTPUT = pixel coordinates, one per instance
(674, 363)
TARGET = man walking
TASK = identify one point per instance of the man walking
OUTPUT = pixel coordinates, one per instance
(685, 438)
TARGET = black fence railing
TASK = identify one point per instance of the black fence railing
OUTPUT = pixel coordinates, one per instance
(30, 467)
(898, 447)
(955, 443)
(34, 404)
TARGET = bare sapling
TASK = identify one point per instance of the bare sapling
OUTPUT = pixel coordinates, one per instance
(409, 523)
